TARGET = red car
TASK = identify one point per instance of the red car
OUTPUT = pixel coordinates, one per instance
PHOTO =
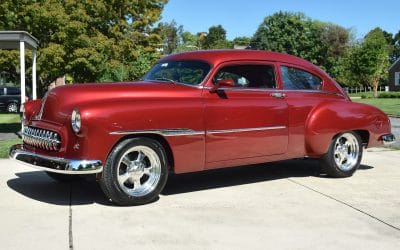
(197, 111)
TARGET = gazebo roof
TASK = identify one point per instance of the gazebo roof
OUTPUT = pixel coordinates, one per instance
(11, 39)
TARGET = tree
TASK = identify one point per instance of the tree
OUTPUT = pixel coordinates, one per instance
(296, 34)
(367, 63)
(291, 33)
(86, 39)
(216, 38)
(242, 41)
(171, 35)
(395, 53)
(189, 42)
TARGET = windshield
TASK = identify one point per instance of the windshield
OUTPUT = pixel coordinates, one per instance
(187, 72)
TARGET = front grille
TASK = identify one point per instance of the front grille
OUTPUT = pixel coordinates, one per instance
(41, 138)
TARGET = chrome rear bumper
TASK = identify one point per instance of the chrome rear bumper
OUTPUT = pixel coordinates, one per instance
(388, 139)
(54, 164)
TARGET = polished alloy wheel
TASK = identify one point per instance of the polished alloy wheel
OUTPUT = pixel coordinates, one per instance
(139, 171)
(12, 108)
(346, 151)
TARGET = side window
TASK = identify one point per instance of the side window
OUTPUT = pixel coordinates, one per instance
(1, 91)
(293, 78)
(13, 91)
(248, 76)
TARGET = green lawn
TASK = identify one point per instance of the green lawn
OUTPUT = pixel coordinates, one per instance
(9, 123)
(390, 106)
(5, 146)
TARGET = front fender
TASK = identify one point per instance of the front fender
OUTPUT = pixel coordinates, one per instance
(331, 118)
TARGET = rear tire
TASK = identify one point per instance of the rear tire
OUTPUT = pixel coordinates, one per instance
(344, 155)
(135, 172)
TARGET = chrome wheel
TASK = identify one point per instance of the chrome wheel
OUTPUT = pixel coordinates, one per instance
(139, 171)
(12, 108)
(346, 151)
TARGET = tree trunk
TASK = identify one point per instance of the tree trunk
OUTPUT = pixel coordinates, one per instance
(375, 85)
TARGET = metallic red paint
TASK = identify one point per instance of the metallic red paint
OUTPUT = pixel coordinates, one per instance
(298, 123)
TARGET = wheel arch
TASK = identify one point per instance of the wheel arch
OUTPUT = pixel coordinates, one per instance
(156, 137)
(330, 119)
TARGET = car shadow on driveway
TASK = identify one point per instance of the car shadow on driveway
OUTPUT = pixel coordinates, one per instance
(38, 186)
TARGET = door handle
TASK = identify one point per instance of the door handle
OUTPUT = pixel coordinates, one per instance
(279, 95)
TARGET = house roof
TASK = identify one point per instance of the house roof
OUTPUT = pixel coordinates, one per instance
(396, 62)
(11, 40)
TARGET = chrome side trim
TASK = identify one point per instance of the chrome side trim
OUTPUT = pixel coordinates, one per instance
(54, 164)
(276, 90)
(239, 130)
(163, 132)
(190, 132)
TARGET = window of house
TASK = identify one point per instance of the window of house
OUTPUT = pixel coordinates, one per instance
(397, 78)
(248, 76)
(293, 78)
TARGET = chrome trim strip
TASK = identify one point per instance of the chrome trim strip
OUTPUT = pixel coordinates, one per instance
(54, 164)
(190, 132)
(277, 90)
(163, 132)
(239, 130)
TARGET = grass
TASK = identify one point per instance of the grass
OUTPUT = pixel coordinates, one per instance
(9, 123)
(390, 106)
(5, 146)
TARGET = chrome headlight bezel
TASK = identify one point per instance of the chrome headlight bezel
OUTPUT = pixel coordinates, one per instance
(76, 122)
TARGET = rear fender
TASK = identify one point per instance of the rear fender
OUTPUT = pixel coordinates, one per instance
(331, 118)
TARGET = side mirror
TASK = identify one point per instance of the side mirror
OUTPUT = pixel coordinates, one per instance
(222, 83)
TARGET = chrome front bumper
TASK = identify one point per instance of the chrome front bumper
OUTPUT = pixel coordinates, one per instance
(54, 164)
(388, 139)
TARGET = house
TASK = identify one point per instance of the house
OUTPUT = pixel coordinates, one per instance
(394, 76)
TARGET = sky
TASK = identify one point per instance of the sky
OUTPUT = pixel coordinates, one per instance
(242, 17)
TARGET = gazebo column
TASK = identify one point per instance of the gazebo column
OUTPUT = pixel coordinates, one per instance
(22, 69)
(34, 95)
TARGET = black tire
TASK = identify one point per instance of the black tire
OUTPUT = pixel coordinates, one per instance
(64, 177)
(135, 172)
(344, 155)
(12, 107)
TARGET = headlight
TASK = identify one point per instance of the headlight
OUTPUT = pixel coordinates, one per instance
(76, 121)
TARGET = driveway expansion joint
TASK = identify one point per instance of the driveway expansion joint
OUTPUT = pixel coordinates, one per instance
(70, 238)
(346, 204)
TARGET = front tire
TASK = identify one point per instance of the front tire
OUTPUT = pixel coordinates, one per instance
(135, 172)
(344, 155)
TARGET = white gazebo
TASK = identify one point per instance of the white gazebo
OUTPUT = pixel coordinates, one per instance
(21, 40)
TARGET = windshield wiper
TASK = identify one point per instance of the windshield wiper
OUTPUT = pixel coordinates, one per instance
(164, 79)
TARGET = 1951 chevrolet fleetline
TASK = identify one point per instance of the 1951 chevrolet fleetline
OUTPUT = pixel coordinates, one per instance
(196, 111)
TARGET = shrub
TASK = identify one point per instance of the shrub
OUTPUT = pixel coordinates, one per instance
(389, 95)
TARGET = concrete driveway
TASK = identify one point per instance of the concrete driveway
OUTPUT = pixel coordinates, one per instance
(286, 205)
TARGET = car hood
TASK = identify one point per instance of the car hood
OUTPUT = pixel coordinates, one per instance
(59, 102)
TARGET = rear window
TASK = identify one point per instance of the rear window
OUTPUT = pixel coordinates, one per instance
(294, 78)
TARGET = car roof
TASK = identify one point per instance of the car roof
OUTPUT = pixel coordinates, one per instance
(215, 57)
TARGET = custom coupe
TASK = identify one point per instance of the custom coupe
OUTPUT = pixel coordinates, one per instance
(196, 111)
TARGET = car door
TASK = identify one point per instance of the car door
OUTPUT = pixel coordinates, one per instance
(247, 120)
